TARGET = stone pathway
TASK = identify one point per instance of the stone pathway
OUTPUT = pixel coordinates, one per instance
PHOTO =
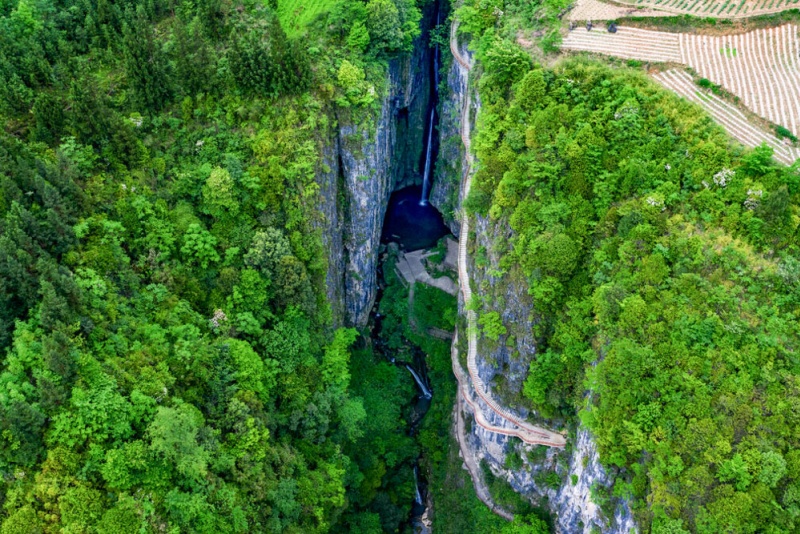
(522, 429)
(412, 269)
(451, 258)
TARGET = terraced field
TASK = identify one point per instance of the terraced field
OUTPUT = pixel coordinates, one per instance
(596, 10)
(628, 43)
(726, 115)
(761, 67)
(724, 9)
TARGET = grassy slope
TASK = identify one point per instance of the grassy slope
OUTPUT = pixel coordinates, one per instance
(296, 15)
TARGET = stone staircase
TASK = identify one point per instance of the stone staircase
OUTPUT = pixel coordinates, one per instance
(517, 427)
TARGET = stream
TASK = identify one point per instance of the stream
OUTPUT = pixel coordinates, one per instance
(410, 225)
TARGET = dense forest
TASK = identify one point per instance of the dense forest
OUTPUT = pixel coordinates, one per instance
(170, 362)
(663, 264)
(170, 359)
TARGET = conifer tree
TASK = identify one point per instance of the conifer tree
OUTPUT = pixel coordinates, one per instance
(145, 65)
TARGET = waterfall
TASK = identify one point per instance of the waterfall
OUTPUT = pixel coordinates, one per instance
(426, 175)
(425, 391)
(417, 495)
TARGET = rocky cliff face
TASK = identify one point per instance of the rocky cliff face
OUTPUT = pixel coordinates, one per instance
(328, 177)
(510, 358)
(367, 171)
(362, 165)
(446, 190)
(572, 502)
(572, 495)
(580, 483)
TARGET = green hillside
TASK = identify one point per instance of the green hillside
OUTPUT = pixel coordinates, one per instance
(662, 264)
(296, 15)
(169, 362)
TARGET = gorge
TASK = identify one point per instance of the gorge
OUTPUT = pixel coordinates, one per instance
(313, 266)
(392, 206)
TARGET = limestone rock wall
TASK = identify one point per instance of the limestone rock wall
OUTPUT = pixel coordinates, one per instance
(504, 366)
(450, 165)
(332, 225)
(364, 161)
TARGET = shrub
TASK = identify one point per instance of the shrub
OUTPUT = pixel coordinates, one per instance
(492, 325)
(782, 132)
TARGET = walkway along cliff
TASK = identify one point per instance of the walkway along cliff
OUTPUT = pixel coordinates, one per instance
(498, 431)
(515, 426)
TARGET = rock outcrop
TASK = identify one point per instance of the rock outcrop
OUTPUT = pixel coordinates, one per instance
(504, 365)
(571, 503)
(446, 191)
(332, 210)
(367, 171)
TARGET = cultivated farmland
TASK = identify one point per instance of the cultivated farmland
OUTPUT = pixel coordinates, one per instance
(721, 9)
(726, 114)
(597, 10)
(628, 43)
(761, 67)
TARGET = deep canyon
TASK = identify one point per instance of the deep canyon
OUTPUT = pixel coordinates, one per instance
(367, 173)
(389, 266)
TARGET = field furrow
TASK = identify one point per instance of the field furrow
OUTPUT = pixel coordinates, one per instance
(629, 43)
(730, 118)
(725, 9)
(596, 10)
(771, 87)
